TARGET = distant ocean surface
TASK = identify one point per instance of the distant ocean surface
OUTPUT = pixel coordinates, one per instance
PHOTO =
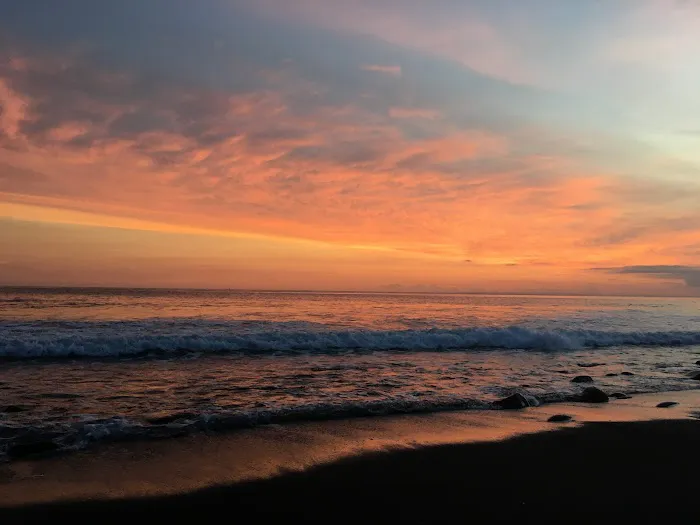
(80, 366)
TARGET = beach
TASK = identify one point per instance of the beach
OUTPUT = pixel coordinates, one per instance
(372, 261)
(167, 406)
(627, 458)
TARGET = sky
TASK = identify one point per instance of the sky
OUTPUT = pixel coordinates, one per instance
(488, 146)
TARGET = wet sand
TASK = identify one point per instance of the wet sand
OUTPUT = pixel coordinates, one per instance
(624, 459)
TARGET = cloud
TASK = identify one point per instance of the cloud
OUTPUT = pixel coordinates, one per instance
(633, 59)
(326, 134)
(689, 274)
(341, 173)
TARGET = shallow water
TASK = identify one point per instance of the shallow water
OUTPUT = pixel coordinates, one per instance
(84, 366)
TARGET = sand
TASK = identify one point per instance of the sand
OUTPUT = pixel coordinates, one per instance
(626, 458)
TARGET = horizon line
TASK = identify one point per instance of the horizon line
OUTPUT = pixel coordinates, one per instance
(312, 291)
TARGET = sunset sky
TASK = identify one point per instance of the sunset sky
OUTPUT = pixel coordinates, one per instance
(529, 146)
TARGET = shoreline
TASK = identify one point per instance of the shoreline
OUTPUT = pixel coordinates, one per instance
(128, 474)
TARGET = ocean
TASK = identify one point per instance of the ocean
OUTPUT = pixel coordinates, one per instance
(80, 366)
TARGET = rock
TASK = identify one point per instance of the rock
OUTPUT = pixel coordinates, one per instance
(559, 418)
(620, 395)
(592, 394)
(516, 401)
(14, 409)
(590, 365)
(611, 374)
(667, 404)
(582, 379)
(626, 374)
(697, 363)
(696, 377)
(32, 448)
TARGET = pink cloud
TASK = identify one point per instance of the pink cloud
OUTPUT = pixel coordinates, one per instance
(13, 111)
(342, 175)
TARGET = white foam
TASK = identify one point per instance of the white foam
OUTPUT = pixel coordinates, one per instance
(90, 430)
(114, 339)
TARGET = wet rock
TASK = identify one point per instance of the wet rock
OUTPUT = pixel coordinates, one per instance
(592, 394)
(611, 374)
(31, 448)
(590, 365)
(667, 404)
(14, 409)
(559, 418)
(516, 401)
(626, 374)
(582, 379)
(620, 395)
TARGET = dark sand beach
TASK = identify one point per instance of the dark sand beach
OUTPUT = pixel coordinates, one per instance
(623, 461)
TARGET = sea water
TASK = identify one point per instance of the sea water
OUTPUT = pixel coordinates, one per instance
(78, 366)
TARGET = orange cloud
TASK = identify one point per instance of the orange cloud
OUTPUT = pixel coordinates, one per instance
(373, 199)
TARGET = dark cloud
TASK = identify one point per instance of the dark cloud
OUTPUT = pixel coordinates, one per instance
(635, 226)
(341, 153)
(223, 48)
(14, 179)
(417, 162)
(134, 123)
(689, 274)
(276, 134)
(466, 169)
(166, 66)
(169, 47)
(618, 235)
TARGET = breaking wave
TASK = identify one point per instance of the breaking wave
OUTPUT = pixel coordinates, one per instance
(137, 338)
(51, 437)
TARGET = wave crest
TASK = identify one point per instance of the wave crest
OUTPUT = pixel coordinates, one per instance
(124, 339)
